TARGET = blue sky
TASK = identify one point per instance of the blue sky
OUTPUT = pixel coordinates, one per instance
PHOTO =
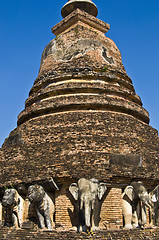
(25, 29)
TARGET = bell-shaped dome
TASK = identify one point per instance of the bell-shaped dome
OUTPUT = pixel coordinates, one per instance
(82, 69)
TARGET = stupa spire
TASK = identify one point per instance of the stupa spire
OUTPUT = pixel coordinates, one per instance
(85, 5)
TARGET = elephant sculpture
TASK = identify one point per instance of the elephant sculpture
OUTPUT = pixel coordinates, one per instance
(135, 199)
(42, 203)
(154, 211)
(87, 193)
(14, 207)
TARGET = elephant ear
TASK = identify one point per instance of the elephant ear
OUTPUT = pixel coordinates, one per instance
(154, 195)
(101, 190)
(129, 192)
(74, 190)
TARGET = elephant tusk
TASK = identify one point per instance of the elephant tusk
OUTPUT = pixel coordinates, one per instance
(81, 204)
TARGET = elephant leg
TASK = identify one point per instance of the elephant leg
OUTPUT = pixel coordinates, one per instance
(151, 217)
(8, 217)
(48, 219)
(154, 216)
(142, 216)
(15, 220)
(48, 222)
(134, 219)
(94, 227)
(157, 217)
(41, 219)
(127, 213)
(0, 214)
(81, 226)
(96, 216)
(95, 222)
(47, 215)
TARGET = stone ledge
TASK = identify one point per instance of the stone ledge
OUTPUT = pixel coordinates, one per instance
(12, 234)
(87, 102)
(81, 86)
(82, 16)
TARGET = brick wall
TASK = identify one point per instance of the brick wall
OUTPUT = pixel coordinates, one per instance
(79, 144)
(111, 211)
(64, 210)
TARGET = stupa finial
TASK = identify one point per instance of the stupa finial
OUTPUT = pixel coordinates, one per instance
(85, 5)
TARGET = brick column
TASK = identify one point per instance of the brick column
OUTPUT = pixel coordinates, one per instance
(65, 216)
(111, 211)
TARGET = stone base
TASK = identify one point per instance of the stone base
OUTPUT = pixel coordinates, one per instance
(12, 234)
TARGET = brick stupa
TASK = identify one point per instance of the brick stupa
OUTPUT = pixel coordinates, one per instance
(82, 119)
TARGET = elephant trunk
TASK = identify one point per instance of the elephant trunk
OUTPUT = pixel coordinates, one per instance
(88, 215)
(81, 204)
(4, 204)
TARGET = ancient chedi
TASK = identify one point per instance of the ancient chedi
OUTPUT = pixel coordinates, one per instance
(82, 119)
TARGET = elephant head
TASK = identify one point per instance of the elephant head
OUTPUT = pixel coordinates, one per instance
(10, 198)
(36, 193)
(137, 192)
(140, 193)
(87, 192)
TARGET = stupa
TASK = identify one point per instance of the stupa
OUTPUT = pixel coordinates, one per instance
(82, 118)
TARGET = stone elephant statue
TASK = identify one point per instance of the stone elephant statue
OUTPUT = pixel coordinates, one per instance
(43, 205)
(86, 194)
(135, 199)
(154, 211)
(14, 208)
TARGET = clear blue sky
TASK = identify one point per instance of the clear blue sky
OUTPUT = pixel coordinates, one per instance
(25, 29)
